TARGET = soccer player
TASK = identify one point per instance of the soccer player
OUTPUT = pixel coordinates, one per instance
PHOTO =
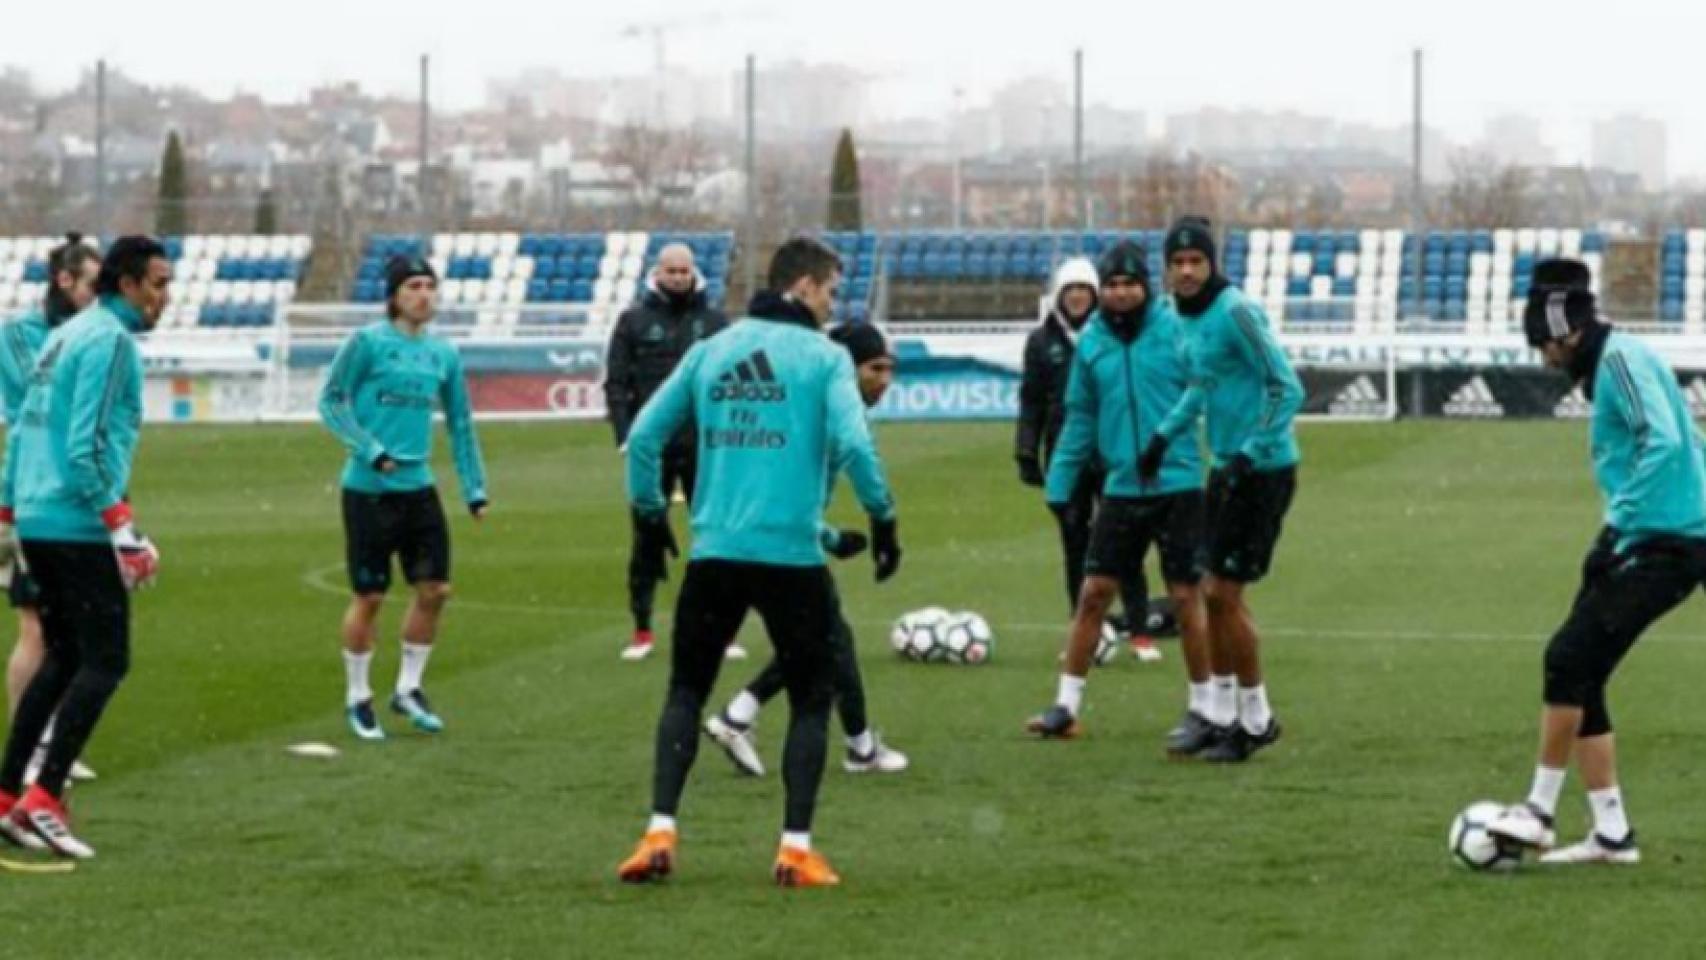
(72, 268)
(1042, 412)
(379, 398)
(873, 363)
(1126, 376)
(648, 342)
(778, 415)
(1649, 557)
(68, 466)
(1243, 385)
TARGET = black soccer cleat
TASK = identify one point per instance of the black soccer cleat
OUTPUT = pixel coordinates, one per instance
(1055, 723)
(1193, 735)
(1239, 744)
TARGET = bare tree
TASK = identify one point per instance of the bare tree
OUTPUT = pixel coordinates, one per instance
(1486, 195)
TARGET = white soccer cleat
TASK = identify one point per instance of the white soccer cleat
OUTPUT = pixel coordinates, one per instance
(16, 831)
(1145, 650)
(1524, 826)
(82, 772)
(734, 651)
(1596, 849)
(880, 760)
(634, 652)
(737, 742)
(46, 819)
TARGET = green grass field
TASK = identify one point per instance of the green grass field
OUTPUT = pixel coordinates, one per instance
(1423, 565)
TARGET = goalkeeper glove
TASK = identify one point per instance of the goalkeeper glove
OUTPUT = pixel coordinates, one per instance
(138, 558)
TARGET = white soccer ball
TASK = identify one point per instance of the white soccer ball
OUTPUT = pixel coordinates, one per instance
(924, 641)
(1475, 848)
(969, 639)
(903, 635)
(1107, 645)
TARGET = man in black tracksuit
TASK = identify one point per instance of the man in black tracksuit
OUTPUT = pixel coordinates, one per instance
(649, 340)
(1042, 412)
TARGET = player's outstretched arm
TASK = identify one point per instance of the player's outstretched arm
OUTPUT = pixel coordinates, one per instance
(337, 401)
(464, 441)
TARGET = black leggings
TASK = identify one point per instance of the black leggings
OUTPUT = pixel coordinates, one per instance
(85, 620)
(849, 685)
(800, 609)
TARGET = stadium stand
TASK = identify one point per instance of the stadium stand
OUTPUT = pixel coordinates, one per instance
(1471, 279)
(220, 281)
(603, 272)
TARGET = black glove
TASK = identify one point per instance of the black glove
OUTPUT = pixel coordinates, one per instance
(1238, 469)
(653, 539)
(885, 548)
(848, 544)
(1030, 471)
(384, 464)
(1602, 556)
(478, 506)
(1149, 465)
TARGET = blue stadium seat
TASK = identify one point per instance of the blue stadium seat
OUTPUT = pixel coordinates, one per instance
(538, 290)
(1671, 310)
(1433, 265)
(544, 268)
(560, 290)
(1297, 287)
(581, 292)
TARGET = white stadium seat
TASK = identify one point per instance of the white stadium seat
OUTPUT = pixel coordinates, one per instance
(1302, 265)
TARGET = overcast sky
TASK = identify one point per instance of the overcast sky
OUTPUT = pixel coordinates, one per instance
(1565, 62)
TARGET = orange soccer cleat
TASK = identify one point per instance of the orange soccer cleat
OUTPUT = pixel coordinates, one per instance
(804, 868)
(652, 860)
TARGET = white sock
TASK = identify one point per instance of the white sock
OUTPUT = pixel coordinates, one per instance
(799, 841)
(413, 666)
(1225, 702)
(743, 709)
(661, 822)
(355, 677)
(1610, 820)
(1071, 693)
(1202, 699)
(1253, 710)
(1548, 783)
(864, 744)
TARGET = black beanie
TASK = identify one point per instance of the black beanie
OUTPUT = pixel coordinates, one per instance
(863, 340)
(403, 269)
(1124, 259)
(1560, 301)
(1191, 233)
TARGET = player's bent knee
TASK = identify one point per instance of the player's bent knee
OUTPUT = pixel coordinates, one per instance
(434, 593)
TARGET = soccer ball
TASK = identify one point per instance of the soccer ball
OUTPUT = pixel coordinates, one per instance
(918, 635)
(968, 638)
(1107, 646)
(1474, 847)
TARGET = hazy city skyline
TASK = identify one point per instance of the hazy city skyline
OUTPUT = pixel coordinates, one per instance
(1326, 58)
